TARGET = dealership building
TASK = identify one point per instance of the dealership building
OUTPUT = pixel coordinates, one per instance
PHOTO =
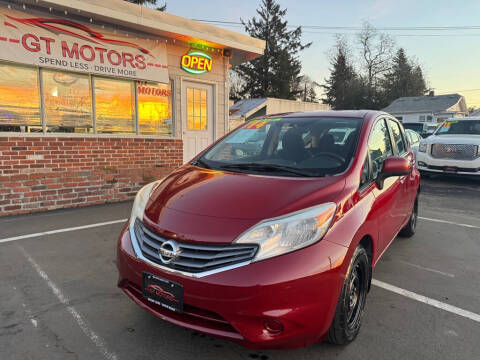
(100, 97)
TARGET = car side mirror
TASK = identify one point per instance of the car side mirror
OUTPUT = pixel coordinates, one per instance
(393, 166)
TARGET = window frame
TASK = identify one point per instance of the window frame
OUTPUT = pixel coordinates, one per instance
(370, 162)
(196, 104)
(370, 180)
(43, 104)
(94, 133)
(39, 92)
(402, 135)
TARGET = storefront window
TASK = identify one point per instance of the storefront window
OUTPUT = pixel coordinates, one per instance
(114, 106)
(154, 109)
(196, 109)
(67, 101)
(19, 99)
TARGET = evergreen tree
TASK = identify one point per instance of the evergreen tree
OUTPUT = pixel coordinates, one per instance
(404, 79)
(307, 86)
(149, 2)
(343, 89)
(419, 86)
(277, 72)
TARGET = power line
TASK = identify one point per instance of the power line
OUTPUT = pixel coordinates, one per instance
(356, 28)
(238, 25)
(468, 90)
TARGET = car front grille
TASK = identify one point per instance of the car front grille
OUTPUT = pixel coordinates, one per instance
(193, 258)
(454, 151)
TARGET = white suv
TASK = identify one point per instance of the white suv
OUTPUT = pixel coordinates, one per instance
(453, 148)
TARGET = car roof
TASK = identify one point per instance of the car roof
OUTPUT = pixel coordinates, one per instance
(367, 115)
(332, 113)
(468, 118)
(413, 131)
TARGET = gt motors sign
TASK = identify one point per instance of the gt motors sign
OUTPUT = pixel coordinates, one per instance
(64, 44)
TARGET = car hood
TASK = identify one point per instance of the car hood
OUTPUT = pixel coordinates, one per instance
(453, 139)
(199, 204)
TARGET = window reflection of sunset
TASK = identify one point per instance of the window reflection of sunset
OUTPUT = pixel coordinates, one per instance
(114, 106)
(67, 101)
(154, 109)
(196, 109)
(19, 96)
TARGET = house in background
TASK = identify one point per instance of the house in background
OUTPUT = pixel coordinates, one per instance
(244, 110)
(429, 109)
(475, 113)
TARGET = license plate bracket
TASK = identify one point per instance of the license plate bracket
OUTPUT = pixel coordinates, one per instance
(165, 293)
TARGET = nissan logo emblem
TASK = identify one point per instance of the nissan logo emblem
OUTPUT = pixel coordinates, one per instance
(169, 251)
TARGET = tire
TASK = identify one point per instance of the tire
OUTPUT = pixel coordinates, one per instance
(409, 229)
(351, 303)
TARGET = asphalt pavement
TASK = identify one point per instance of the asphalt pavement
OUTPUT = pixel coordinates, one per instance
(59, 300)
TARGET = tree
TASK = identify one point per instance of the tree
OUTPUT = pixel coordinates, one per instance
(149, 2)
(277, 72)
(419, 86)
(376, 54)
(236, 84)
(344, 88)
(307, 87)
(403, 79)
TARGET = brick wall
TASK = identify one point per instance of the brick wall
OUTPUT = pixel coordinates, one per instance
(43, 173)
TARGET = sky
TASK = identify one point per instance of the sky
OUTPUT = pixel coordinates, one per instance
(451, 61)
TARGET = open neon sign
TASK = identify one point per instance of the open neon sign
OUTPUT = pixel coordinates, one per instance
(197, 62)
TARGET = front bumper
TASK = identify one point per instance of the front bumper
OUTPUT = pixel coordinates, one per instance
(299, 289)
(427, 163)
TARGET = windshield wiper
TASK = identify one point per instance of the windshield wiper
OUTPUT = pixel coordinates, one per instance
(267, 167)
(199, 161)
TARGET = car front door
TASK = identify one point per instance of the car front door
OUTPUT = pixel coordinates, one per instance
(407, 182)
(386, 206)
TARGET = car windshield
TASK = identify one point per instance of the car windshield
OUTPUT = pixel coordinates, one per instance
(459, 127)
(307, 146)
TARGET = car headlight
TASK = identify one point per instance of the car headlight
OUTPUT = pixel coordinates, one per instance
(291, 232)
(141, 201)
(422, 147)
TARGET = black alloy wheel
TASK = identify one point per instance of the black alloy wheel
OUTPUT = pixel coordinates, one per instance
(350, 307)
(409, 229)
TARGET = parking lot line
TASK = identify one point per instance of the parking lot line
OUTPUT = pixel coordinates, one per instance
(449, 222)
(426, 268)
(426, 300)
(27, 236)
(92, 335)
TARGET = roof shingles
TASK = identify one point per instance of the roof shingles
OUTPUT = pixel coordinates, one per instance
(428, 104)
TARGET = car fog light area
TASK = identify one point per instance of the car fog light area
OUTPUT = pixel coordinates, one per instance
(290, 232)
(273, 326)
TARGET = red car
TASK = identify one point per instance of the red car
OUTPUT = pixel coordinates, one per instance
(270, 236)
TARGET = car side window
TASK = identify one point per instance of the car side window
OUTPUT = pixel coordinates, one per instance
(380, 146)
(410, 137)
(397, 137)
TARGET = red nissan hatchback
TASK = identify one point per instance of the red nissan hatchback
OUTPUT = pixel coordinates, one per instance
(270, 236)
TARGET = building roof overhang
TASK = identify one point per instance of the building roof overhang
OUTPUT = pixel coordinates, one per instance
(141, 18)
